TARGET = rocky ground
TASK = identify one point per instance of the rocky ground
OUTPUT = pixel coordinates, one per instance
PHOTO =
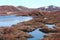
(40, 19)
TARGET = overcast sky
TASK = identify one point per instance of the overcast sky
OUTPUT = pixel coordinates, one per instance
(30, 3)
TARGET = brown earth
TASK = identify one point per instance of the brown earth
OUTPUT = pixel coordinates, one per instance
(40, 19)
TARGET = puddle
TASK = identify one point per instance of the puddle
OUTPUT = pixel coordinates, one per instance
(37, 35)
(12, 19)
(50, 25)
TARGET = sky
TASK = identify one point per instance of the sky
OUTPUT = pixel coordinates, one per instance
(30, 3)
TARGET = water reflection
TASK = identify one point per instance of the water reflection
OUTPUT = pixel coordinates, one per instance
(36, 34)
(12, 19)
(50, 25)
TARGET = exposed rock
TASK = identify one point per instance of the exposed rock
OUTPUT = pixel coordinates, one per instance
(8, 8)
(49, 8)
(40, 19)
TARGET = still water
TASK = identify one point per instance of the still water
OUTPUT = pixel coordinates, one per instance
(38, 35)
(50, 25)
(12, 19)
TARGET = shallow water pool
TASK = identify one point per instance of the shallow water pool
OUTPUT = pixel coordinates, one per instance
(37, 35)
(12, 19)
